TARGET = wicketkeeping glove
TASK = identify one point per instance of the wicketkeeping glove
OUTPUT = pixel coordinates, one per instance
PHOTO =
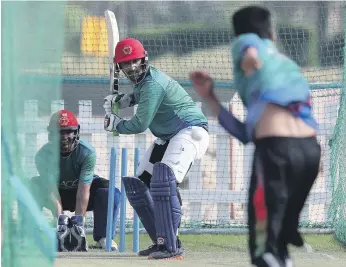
(78, 237)
(63, 233)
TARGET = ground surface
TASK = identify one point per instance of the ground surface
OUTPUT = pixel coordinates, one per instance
(209, 250)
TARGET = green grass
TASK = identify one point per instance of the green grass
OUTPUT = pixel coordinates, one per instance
(217, 243)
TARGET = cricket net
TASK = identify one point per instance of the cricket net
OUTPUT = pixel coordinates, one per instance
(184, 35)
(32, 39)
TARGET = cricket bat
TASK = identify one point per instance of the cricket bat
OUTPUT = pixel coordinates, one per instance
(113, 39)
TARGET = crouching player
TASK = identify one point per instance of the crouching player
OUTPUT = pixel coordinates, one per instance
(280, 124)
(78, 190)
(182, 137)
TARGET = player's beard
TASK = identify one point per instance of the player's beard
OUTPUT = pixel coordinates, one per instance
(68, 143)
(133, 76)
(135, 72)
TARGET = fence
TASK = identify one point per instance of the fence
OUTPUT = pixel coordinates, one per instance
(214, 192)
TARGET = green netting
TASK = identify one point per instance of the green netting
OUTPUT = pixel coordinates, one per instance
(32, 43)
(338, 171)
(184, 35)
(179, 36)
(338, 166)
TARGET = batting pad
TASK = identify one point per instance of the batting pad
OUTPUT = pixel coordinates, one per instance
(167, 210)
(141, 201)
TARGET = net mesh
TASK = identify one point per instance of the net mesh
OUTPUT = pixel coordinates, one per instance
(183, 35)
(32, 40)
(338, 186)
(338, 168)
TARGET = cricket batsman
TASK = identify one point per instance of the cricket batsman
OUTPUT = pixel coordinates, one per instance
(79, 190)
(181, 129)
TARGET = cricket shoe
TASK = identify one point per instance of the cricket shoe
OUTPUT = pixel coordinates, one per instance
(148, 251)
(288, 262)
(101, 244)
(163, 254)
(285, 257)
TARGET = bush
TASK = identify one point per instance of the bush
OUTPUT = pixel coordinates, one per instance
(181, 38)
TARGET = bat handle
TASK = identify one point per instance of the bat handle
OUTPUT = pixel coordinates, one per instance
(115, 110)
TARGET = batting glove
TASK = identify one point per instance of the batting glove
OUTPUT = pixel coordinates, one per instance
(109, 102)
(111, 121)
(122, 100)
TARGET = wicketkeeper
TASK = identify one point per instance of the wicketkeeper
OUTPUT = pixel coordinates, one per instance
(78, 190)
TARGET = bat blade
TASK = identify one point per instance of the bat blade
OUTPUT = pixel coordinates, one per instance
(113, 39)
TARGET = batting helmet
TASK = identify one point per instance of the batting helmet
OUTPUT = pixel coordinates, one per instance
(129, 49)
(65, 122)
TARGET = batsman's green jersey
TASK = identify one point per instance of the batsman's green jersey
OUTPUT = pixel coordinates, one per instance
(163, 106)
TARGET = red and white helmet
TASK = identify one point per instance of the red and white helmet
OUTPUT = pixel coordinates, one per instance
(65, 123)
(129, 49)
(63, 120)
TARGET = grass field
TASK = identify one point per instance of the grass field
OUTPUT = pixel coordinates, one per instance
(209, 250)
